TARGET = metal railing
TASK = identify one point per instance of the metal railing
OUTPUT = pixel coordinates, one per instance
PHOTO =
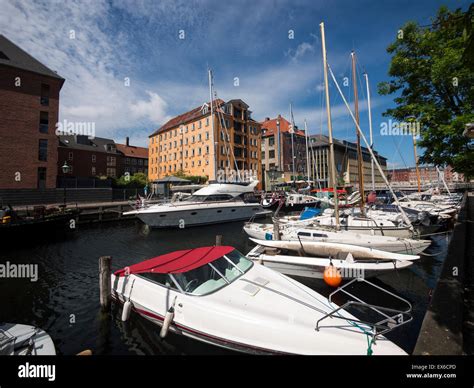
(388, 318)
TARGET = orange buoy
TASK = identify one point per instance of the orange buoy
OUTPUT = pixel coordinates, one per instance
(332, 276)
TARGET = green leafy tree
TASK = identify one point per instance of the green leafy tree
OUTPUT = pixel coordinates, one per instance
(138, 180)
(432, 70)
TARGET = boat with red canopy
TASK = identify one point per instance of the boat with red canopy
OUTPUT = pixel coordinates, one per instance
(218, 296)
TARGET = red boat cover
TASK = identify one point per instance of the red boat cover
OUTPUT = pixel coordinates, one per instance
(177, 262)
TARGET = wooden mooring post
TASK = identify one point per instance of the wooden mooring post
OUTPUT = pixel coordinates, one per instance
(218, 240)
(105, 283)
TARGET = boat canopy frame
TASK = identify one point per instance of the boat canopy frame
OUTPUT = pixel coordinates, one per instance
(391, 318)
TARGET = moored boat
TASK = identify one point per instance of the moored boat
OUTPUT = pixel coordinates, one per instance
(24, 340)
(218, 296)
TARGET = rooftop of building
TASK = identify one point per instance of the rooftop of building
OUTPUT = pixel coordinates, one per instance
(189, 116)
(270, 126)
(323, 140)
(83, 142)
(132, 151)
(13, 56)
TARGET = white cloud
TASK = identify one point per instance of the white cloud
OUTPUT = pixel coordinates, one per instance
(94, 64)
(154, 108)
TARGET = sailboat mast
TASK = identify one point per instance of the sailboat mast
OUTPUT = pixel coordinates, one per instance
(212, 124)
(360, 161)
(418, 178)
(292, 142)
(307, 151)
(332, 163)
(370, 129)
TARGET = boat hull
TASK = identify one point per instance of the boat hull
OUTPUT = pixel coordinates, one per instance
(261, 312)
(174, 217)
(403, 246)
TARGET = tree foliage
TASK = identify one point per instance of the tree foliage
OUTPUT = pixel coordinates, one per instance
(432, 75)
(138, 180)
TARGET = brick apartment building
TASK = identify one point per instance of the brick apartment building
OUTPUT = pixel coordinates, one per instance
(87, 158)
(185, 143)
(99, 157)
(428, 175)
(133, 159)
(277, 163)
(29, 105)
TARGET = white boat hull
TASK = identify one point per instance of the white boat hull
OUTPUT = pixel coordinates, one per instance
(384, 243)
(312, 267)
(42, 344)
(333, 249)
(262, 312)
(183, 216)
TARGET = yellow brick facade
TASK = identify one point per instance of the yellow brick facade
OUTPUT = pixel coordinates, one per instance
(187, 145)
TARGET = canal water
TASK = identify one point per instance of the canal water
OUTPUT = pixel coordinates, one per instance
(64, 300)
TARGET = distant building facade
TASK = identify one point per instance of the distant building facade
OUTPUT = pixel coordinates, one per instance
(345, 155)
(87, 158)
(133, 159)
(428, 175)
(186, 142)
(29, 106)
(277, 152)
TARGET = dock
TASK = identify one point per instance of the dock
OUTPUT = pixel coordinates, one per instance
(91, 212)
(448, 326)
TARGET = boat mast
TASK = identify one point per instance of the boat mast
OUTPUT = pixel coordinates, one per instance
(292, 141)
(212, 124)
(360, 161)
(370, 129)
(377, 164)
(416, 163)
(307, 151)
(332, 163)
(441, 175)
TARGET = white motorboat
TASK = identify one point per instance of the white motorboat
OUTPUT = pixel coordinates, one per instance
(19, 340)
(325, 249)
(326, 235)
(215, 203)
(314, 267)
(218, 296)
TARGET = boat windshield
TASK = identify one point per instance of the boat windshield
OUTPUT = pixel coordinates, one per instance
(208, 198)
(213, 276)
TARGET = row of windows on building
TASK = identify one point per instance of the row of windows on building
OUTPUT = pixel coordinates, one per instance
(112, 160)
(175, 143)
(187, 153)
(183, 129)
(175, 167)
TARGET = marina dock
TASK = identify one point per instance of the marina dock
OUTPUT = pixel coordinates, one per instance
(448, 326)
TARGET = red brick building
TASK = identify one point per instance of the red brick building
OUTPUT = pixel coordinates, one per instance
(428, 174)
(88, 157)
(134, 159)
(29, 105)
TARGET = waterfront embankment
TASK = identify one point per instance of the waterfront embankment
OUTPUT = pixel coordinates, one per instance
(448, 325)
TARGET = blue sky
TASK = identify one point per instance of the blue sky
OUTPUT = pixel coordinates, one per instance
(139, 40)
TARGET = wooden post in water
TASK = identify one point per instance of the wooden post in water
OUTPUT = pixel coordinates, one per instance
(218, 240)
(105, 283)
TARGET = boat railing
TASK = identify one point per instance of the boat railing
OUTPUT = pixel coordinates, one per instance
(385, 319)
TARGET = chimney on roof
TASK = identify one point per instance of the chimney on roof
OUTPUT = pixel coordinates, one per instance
(127, 141)
(279, 116)
(267, 118)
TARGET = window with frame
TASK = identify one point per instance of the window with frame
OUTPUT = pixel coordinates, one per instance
(44, 122)
(44, 99)
(43, 150)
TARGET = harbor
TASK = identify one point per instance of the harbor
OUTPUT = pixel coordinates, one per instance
(65, 300)
(241, 180)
